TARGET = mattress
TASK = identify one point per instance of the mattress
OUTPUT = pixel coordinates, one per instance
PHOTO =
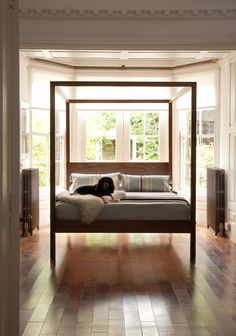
(135, 206)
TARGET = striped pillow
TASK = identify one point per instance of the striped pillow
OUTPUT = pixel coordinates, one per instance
(131, 182)
(152, 183)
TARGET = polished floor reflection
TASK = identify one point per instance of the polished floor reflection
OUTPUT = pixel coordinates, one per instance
(127, 285)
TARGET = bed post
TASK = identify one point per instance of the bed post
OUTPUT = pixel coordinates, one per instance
(52, 245)
(52, 171)
(193, 171)
(193, 242)
(170, 131)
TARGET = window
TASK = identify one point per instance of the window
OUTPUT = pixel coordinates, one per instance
(144, 136)
(205, 149)
(25, 137)
(40, 144)
(205, 145)
(100, 136)
(60, 147)
(35, 143)
(120, 136)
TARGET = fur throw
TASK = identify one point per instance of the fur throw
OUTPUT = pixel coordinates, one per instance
(89, 206)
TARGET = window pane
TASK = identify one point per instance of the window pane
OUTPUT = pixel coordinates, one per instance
(91, 149)
(40, 148)
(59, 149)
(40, 121)
(144, 133)
(185, 162)
(136, 123)
(151, 149)
(137, 148)
(205, 146)
(208, 121)
(60, 122)
(187, 172)
(25, 115)
(100, 136)
(108, 149)
(58, 173)
(40, 158)
(205, 157)
(25, 151)
(43, 173)
(152, 123)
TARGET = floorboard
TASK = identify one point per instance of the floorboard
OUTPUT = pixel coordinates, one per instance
(127, 285)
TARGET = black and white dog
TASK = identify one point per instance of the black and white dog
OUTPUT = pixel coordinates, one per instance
(104, 187)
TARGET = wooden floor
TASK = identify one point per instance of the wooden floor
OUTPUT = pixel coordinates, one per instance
(127, 285)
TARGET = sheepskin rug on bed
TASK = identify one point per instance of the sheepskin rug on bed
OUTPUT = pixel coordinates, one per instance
(89, 206)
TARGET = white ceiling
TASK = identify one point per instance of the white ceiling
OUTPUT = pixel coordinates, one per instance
(115, 58)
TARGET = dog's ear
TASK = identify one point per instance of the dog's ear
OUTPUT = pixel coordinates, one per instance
(98, 186)
(112, 186)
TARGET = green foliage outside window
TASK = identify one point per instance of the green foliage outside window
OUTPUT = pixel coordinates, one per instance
(108, 121)
(137, 123)
(101, 132)
(40, 158)
(40, 121)
(205, 157)
(144, 134)
(205, 146)
(152, 149)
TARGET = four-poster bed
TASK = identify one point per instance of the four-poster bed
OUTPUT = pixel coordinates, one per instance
(60, 224)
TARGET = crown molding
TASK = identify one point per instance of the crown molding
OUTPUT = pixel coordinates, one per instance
(171, 14)
(41, 63)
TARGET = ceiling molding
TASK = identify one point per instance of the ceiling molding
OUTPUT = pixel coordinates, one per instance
(171, 14)
(123, 67)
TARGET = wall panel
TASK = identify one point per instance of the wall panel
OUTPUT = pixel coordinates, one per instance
(233, 95)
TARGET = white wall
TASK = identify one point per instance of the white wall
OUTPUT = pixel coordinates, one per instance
(24, 80)
(228, 137)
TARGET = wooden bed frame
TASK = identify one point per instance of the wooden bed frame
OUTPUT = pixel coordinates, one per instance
(147, 168)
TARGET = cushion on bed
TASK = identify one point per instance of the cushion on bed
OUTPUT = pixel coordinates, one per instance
(153, 183)
(131, 182)
(128, 183)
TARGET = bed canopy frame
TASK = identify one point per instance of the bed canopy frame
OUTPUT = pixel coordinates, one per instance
(148, 168)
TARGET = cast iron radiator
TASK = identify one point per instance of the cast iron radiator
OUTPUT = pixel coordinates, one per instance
(216, 200)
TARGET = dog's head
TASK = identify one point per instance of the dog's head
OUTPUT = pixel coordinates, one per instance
(105, 186)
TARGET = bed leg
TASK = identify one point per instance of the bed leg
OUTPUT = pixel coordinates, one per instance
(193, 246)
(53, 246)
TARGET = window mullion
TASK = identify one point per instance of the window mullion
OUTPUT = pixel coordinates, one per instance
(120, 138)
(163, 137)
(126, 136)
